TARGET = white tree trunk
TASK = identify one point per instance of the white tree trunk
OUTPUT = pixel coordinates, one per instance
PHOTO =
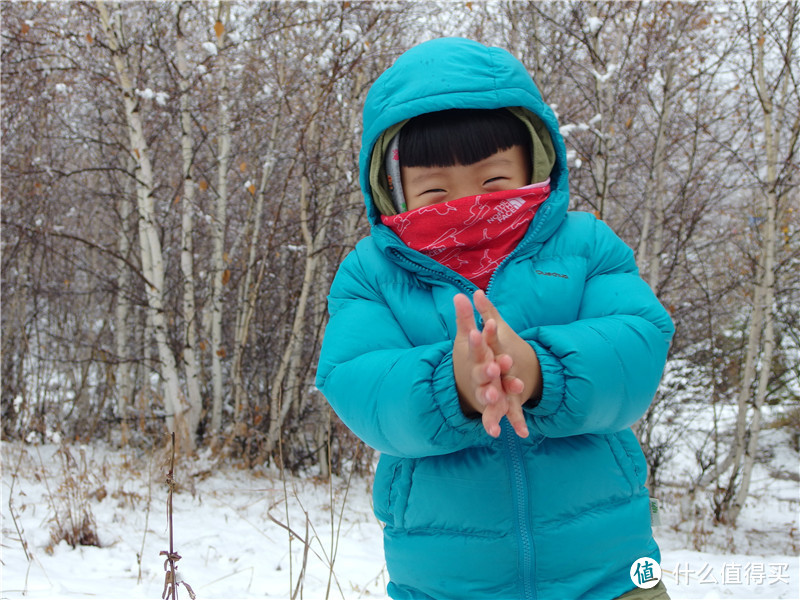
(280, 401)
(250, 284)
(218, 231)
(122, 342)
(190, 364)
(766, 283)
(649, 255)
(288, 386)
(152, 259)
(286, 378)
(603, 131)
(761, 335)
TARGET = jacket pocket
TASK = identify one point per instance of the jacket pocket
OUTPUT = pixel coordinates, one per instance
(634, 453)
(629, 457)
(391, 488)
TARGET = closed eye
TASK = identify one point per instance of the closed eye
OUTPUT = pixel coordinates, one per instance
(433, 191)
(493, 179)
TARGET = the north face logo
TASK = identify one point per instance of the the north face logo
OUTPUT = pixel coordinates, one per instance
(506, 208)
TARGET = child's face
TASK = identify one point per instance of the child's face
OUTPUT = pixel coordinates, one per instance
(504, 170)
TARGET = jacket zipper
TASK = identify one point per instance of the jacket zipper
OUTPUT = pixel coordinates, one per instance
(463, 284)
(519, 485)
(519, 482)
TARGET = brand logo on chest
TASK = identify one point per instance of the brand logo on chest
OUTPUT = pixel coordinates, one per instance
(551, 274)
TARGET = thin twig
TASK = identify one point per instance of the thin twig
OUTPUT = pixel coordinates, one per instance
(171, 485)
(171, 578)
(335, 545)
(146, 517)
(286, 504)
(20, 533)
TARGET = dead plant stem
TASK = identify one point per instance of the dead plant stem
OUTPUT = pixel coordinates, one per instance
(171, 488)
(20, 532)
(146, 517)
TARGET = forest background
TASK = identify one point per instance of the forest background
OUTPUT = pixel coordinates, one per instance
(179, 185)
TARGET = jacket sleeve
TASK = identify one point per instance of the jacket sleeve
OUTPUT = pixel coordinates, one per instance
(601, 371)
(398, 398)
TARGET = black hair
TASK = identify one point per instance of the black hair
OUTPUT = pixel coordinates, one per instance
(460, 136)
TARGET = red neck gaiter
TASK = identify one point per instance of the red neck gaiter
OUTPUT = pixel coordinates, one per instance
(471, 235)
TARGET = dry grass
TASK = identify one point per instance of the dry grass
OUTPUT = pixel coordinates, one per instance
(72, 520)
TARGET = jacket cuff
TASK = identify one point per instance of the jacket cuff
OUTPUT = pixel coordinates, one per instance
(553, 383)
(445, 396)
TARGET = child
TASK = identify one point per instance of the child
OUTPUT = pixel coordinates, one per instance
(508, 468)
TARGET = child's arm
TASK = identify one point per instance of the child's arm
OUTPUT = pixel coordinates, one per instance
(399, 398)
(601, 371)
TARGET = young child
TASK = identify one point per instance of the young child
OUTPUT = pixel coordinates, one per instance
(508, 468)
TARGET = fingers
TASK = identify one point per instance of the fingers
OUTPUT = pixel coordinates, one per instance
(485, 307)
(490, 335)
(482, 302)
(479, 351)
(513, 412)
(465, 317)
(491, 420)
(513, 386)
(516, 418)
(493, 322)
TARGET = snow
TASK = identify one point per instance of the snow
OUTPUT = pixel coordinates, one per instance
(594, 23)
(565, 130)
(148, 94)
(210, 48)
(604, 77)
(230, 528)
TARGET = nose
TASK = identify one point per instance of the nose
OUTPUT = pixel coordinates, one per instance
(465, 188)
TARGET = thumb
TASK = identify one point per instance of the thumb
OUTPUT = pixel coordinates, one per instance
(485, 307)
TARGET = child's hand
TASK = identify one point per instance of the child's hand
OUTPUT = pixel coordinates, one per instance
(502, 339)
(483, 375)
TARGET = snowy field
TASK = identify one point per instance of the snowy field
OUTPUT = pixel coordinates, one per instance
(230, 528)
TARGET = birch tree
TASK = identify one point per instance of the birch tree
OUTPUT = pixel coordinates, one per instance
(122, 338)
(286, 384)
(220, 272)
(151, 254)
(648, 254)
(251, 282)
(770, 35)
(190, 360)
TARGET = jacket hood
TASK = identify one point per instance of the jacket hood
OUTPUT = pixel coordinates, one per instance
(448, 73)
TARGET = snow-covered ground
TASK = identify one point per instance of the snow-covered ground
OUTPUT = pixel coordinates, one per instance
(230, 528)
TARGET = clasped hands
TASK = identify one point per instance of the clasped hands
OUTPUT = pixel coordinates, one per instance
(496, 371)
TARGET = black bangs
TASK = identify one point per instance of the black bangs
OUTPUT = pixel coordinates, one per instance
(460, 137)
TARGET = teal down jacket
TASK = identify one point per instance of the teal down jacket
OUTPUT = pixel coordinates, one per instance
(563, 513)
